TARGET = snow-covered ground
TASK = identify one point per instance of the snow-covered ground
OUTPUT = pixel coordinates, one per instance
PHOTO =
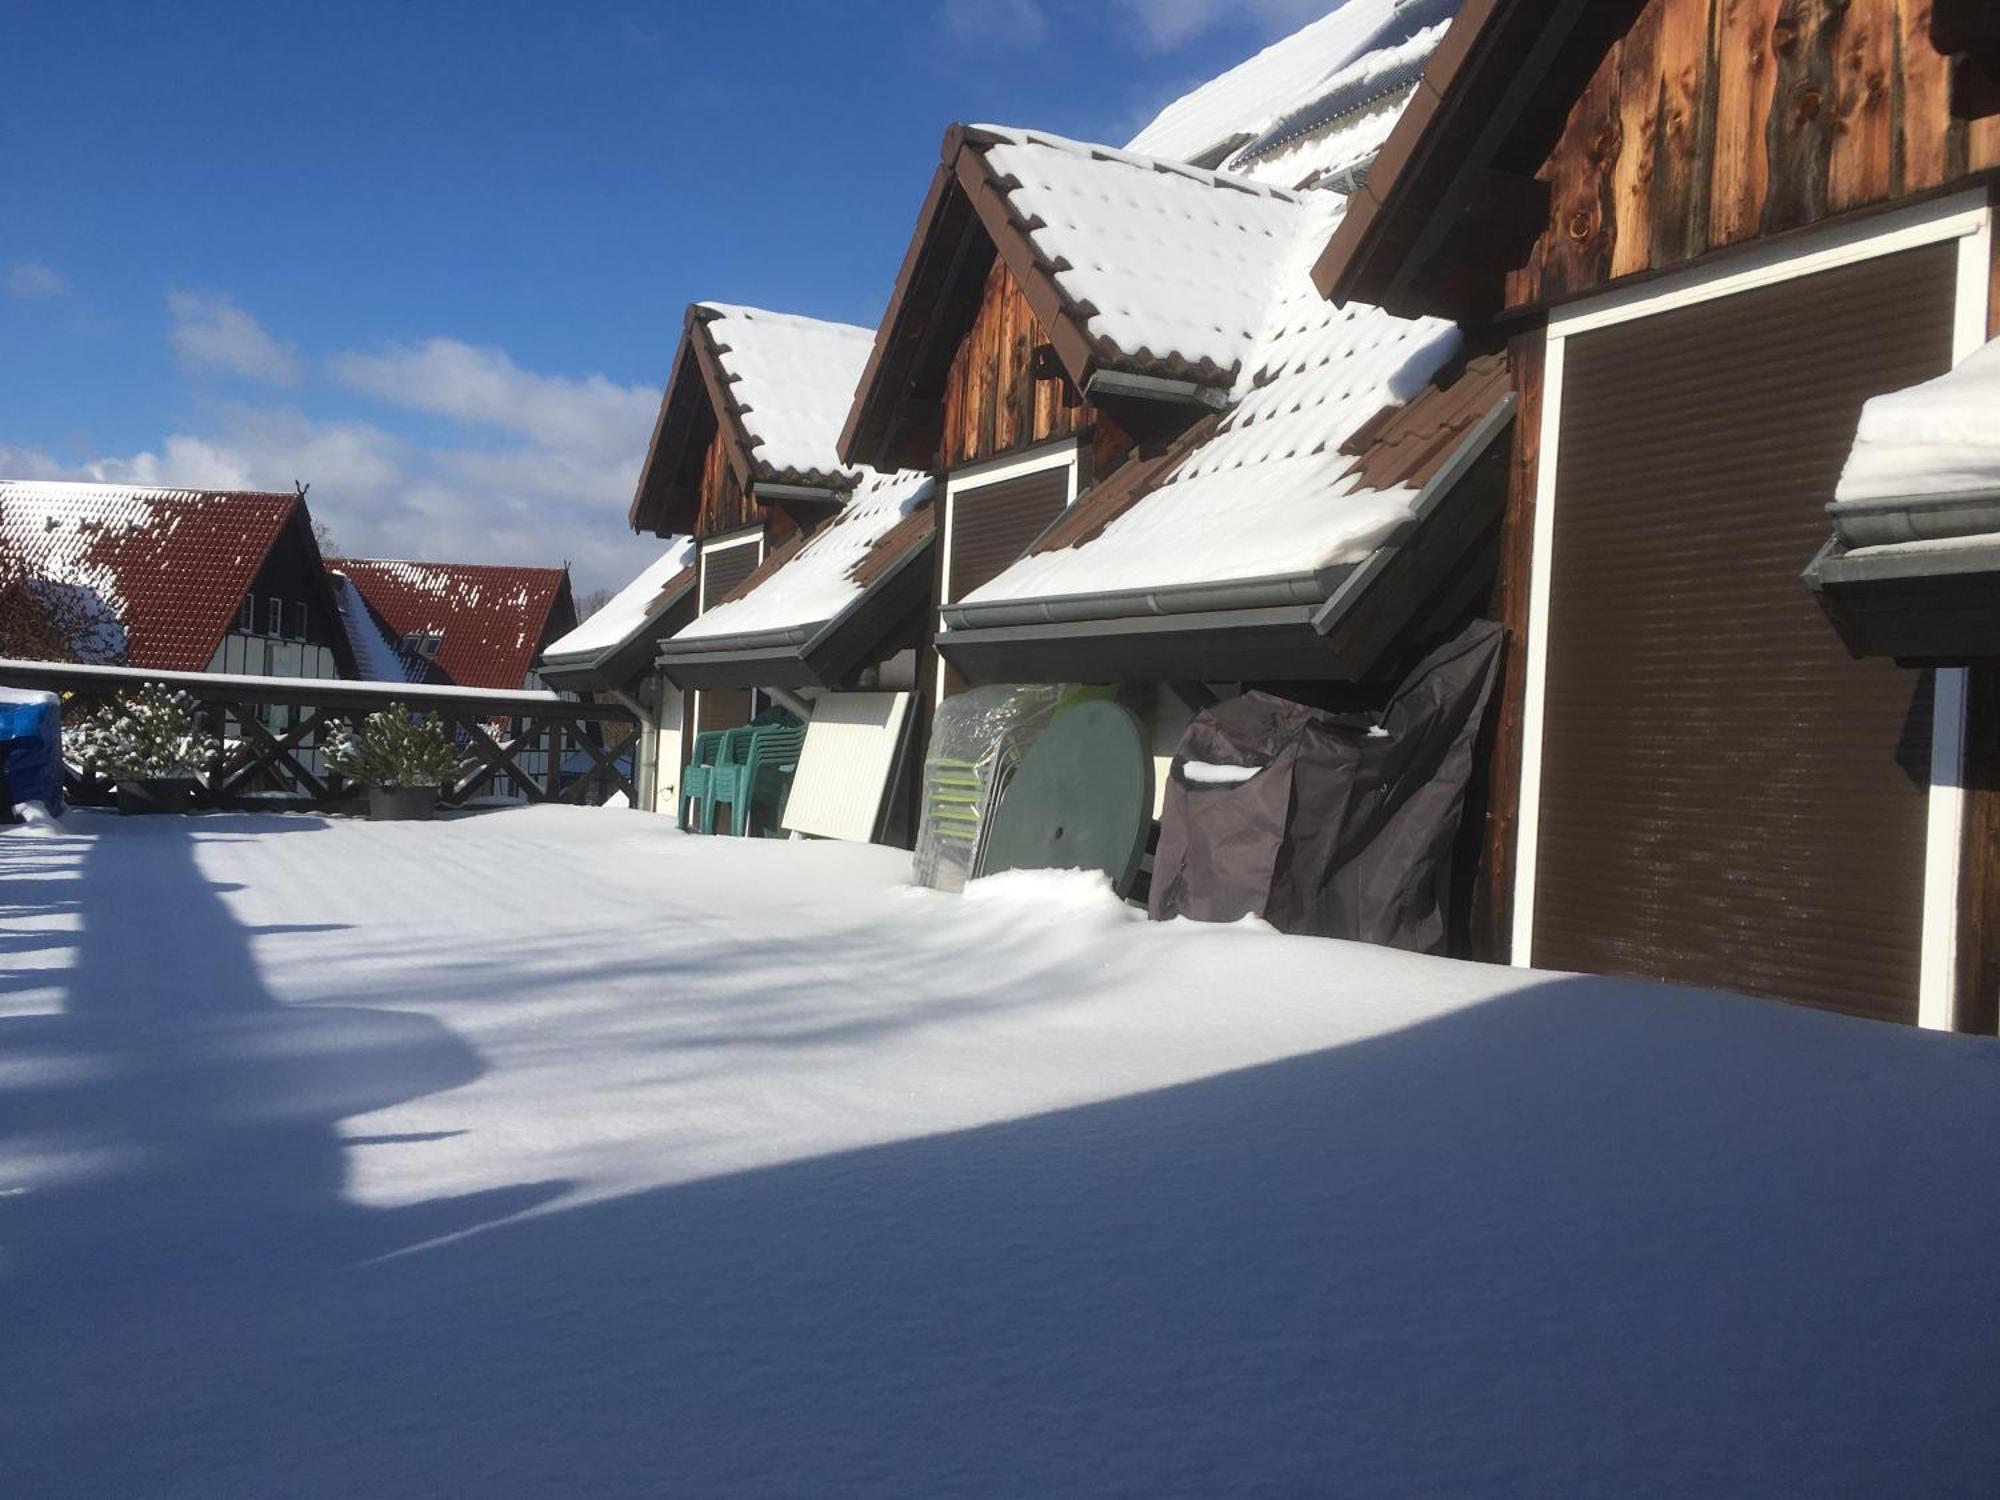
(551, 1152)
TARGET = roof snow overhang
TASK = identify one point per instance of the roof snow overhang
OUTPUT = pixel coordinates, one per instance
(968, 218)
(620, 664)
(697, 403)
(823, 653)
(1346, 623)
(1453, 202)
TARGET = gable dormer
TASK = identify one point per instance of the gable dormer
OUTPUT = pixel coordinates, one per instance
(746, 432)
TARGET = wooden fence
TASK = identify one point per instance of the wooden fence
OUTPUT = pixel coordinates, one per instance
(528, 746)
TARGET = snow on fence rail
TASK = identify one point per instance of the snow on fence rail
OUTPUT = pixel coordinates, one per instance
(535, 746)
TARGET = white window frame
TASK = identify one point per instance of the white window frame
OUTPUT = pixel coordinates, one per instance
(274, 617)
(1066, 453)
(1965, 218)
(717, 544)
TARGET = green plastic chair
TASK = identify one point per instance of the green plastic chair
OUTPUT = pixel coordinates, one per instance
(722, 772)
(758, 770)
(697, 778)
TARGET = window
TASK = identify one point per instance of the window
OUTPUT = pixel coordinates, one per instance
(424, 643)
(274, 617)
(299, 621)
(247, 620)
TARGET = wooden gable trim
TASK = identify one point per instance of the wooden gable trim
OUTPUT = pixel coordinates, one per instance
(933, 266)
(1552, 148)
(967, 219)
(668, 494)
(1061, 319)
(1445, 173)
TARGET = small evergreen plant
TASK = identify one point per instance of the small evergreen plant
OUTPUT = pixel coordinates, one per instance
(393, 748)
(151, 735)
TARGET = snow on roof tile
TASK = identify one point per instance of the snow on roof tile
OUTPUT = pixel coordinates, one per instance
(159, 572)
(819, 580)
(791, 379)
(1241, 107)
(1267, 492)
(628, 610)
(1938, 438)
(490, 619)
(375, 653)
(1161, 263)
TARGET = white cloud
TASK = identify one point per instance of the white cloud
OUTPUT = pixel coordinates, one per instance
(1015, 25)
(31, 281)
(484, 386)
(531, 502)
(212, 333)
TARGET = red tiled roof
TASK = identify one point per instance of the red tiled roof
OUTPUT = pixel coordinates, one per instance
(492, 620)
(159, 573)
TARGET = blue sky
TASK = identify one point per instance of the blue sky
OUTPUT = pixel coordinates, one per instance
(432, 257)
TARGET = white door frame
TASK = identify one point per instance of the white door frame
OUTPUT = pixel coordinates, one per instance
(1066, 454)
(1964, 218)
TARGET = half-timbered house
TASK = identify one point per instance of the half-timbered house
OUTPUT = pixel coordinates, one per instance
(175, 580)
(1710, 231)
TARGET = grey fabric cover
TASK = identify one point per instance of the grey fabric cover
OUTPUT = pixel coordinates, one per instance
(1347, 829)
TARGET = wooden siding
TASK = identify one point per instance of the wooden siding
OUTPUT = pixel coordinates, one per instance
(725, 505)
(1492, 918)
(1714, 122)
(995, 400)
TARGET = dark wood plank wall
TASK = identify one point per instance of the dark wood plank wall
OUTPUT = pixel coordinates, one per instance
(997, 397)
(725, 505)
(1492, 918)
(1714, 122)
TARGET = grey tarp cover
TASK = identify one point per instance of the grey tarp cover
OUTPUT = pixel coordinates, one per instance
(1346, 829)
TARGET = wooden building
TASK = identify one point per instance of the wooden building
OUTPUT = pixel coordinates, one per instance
(1165, 463)
(1707, 232)
(812, 574)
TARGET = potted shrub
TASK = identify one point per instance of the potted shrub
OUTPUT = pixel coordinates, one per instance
(402, 758)
(151, 745)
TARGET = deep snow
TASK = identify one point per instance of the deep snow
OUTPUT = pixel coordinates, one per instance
(553, 1152)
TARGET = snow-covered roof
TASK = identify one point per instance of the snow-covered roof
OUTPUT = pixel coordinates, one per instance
(1161, 264)
(1268, 491)
(489, 619)
(375, 654)
(829, 572)
(1938, 438)
(1309, 103)
(149, 576)
(790, 379)
(633, 607)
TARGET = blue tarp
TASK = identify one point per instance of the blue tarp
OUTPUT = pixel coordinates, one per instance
(30, 749)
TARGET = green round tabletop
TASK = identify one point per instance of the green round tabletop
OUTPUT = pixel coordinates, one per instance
(1081, 799)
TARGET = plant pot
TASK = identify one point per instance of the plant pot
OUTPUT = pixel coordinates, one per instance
(402, 804)
(157, 794)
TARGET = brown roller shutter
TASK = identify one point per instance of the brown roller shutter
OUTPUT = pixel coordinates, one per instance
(721, 571)
(992, 526)
(1727, 798)
(722, 708)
